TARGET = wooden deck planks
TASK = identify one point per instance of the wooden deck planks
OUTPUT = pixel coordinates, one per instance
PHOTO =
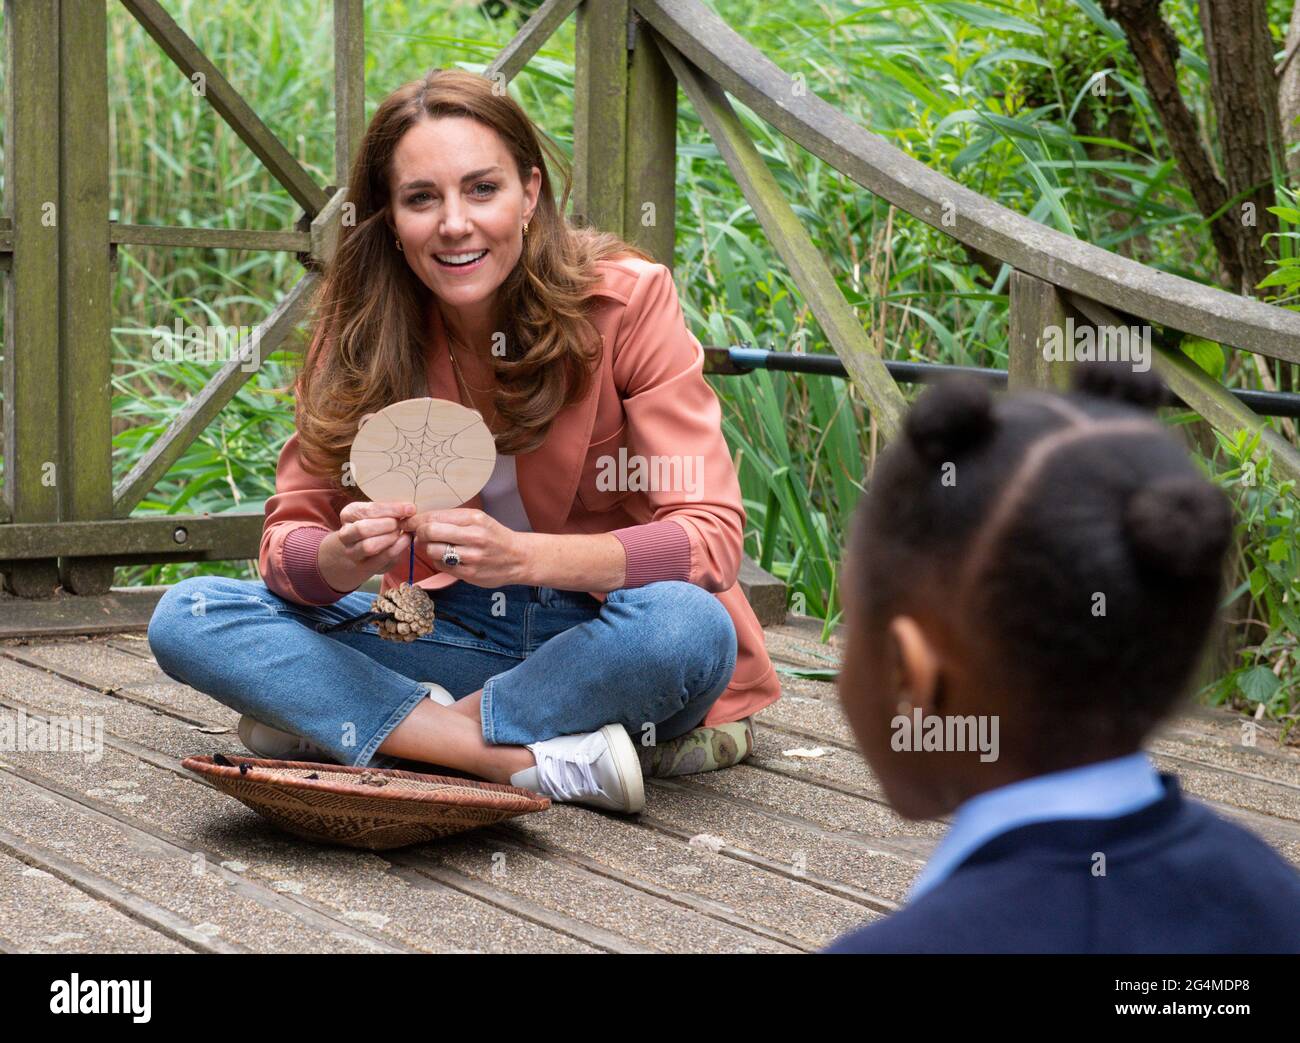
(780, 854)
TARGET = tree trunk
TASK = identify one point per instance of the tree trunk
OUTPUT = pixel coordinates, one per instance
(1243, 85)
(1288, 90)
(1239, 51)
(1155, 47)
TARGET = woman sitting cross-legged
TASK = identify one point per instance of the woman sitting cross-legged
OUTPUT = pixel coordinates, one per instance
(597, 613)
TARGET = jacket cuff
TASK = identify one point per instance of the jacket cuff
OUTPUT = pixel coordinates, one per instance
(655, 551)
(301, 560)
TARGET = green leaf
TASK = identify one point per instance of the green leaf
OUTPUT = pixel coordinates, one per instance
(1012, 54)
(1258, 581)
(1285, 276)
(982, 16)
(1206, 354)
(1098, 17)
(809, 674)
(1258, 684)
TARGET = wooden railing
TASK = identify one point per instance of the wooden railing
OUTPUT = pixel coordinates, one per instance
(76, 527)
(631, 58)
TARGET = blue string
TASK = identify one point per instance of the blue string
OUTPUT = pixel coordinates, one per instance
(412, 569)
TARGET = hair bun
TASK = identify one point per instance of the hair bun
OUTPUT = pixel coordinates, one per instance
(950, 418)
(1179, 526)
(1119, 380)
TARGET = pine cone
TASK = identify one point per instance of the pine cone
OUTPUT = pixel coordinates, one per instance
(412, 610)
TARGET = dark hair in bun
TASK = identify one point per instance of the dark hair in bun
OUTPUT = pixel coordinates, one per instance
(1118, 381)
(951, 417)
(1179, 527)
(1086, 570)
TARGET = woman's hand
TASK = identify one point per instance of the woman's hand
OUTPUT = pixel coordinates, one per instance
(490, 554)
(369, 541)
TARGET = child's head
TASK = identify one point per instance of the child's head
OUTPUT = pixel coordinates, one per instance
(1054, 560)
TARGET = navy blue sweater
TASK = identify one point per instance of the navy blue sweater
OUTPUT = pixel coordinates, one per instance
(1178, 879)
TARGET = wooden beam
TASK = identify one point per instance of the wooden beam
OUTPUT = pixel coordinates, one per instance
(349, 85)
(650, 180)
(153, 538)
(600, 115)
(85, 290)
(539, 28)
(766, 594)
(1035, 306)
(209, 238)
(1204, 394)
(31, 200)
(791, 240)
(122, 610)
(325, 229)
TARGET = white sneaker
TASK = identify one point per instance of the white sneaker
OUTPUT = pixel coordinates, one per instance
(596, 768)
(439, 694)
(264, 741)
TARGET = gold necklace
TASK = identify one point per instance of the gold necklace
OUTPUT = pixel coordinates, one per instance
(459, 374)
(466, 385)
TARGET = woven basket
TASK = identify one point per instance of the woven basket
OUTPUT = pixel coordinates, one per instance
(329, 802)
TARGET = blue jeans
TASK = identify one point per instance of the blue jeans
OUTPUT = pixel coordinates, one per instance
(551, 662)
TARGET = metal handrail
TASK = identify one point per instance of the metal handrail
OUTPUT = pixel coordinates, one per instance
(745, 359)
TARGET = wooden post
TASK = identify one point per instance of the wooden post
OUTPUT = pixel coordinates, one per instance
(624, 129)
(349, 85)
(31, 385)
(1035, 305)
(85, 291)
(650, 204)
(600, 114)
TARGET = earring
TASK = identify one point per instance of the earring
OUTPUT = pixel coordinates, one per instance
(525, 228)
(399, 246)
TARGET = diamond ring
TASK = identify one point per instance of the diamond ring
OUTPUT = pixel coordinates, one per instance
(450, 557)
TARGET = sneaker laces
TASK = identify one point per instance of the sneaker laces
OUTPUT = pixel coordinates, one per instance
(566, 778)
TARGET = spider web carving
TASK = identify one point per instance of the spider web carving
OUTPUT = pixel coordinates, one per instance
(422, 457)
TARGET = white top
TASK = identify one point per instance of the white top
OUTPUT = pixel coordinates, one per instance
(501, 496)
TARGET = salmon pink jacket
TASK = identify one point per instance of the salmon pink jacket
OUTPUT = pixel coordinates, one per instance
(649, 399)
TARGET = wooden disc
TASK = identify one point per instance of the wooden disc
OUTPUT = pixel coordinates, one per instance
(427, 451)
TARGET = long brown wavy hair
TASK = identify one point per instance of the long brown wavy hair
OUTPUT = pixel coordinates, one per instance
(370, 312)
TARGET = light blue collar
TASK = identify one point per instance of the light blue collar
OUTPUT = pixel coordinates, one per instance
(1106, 789)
